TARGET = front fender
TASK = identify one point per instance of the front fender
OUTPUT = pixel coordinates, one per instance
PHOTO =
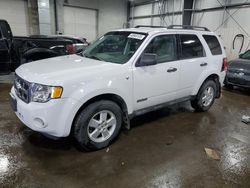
(95, 86)
(83, 98)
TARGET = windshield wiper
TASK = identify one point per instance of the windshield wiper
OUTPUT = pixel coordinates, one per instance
(93, 57)
(80, 54)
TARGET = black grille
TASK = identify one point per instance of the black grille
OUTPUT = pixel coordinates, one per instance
(22, 88)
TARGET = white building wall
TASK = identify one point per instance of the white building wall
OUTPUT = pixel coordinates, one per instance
(214, 20)
(80, 22)
(112, 14)
(156, 8)
(16, 13)
(44, 17)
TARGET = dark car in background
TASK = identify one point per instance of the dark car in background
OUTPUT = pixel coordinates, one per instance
(238, 73)
(15, 50)
(37, 47)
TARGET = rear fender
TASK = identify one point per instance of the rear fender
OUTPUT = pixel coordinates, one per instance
(207, 75)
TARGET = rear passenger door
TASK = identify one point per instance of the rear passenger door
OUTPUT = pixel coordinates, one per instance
(192, 63)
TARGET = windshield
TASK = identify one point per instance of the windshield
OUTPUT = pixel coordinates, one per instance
(115, 47)
(246, 55)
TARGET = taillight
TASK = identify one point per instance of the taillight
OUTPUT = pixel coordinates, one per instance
(71, 49)
(224, 65)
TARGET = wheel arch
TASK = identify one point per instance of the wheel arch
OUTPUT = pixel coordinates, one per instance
(107, 96)
(213, 76)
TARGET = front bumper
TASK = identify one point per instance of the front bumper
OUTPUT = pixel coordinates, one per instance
(237, 80)
(53, 118)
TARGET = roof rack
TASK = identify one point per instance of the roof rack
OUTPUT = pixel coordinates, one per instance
(188, 27)
(176, 27)
(150, 26)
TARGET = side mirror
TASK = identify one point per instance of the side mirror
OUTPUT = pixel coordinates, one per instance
(147, 59)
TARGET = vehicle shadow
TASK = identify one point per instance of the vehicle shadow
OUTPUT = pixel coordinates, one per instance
(161, 113)
(38, 140)
(41, 141)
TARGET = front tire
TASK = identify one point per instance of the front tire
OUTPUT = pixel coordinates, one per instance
(98, 125)
(205, 97)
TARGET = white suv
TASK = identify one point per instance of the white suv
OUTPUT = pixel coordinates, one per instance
(124, 73)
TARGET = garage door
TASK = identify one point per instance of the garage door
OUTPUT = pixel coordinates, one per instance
(16, 13)
(80, 22)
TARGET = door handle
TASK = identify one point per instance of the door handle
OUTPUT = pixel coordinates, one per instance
(203, 64)
(172, 70)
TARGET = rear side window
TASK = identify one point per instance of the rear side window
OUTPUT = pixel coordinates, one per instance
(191, 47)
(213, 44)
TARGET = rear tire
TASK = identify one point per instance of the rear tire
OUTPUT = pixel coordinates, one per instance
(205, 97)
(97, 125)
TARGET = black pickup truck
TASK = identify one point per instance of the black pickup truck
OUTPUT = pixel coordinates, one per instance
(15, 51)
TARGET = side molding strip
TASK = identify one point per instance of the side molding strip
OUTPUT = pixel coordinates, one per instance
(141, 100)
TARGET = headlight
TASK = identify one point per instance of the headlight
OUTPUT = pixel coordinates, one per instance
(43, 93)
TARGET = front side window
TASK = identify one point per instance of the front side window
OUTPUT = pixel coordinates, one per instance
(164, 47)
(191, 47)
(213, 44)
(115, 47)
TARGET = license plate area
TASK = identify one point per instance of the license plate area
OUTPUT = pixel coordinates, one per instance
(13, 103)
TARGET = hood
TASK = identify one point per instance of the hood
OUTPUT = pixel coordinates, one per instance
(59, 69)
(240, 64)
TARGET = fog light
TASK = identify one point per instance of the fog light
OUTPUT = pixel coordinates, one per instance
(39, 123)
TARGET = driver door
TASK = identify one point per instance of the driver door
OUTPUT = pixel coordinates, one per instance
(158, 83)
